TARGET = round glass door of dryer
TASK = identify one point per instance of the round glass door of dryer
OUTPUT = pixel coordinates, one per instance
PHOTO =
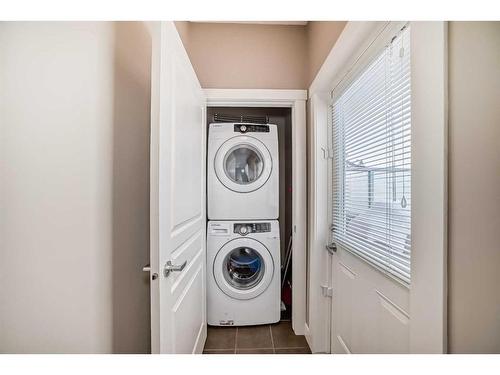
(243, 164)
(243, 268)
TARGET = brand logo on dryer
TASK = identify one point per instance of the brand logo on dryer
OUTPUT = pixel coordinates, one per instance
(219, 228)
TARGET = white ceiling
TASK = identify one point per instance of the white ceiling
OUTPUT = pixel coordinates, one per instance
(297, 23)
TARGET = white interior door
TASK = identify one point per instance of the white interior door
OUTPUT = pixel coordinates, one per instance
(178, 220)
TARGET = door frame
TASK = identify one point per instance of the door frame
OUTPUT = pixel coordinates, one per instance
(428, 292)
(296, 100)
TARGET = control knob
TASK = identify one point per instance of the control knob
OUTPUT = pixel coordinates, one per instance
(243, 230)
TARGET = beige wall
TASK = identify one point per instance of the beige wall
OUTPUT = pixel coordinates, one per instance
(474, 187)
(183, 28)
(131, 133)
(74, 151)
(227, 55)
(321, 36)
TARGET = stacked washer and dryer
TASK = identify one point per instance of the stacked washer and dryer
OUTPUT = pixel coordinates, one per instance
(243, 243)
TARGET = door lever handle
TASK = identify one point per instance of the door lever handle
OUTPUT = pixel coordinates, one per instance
(169, 267)
(331, 248)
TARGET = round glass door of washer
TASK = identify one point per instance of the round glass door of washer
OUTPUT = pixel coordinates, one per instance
(243, 164)
(243, 268)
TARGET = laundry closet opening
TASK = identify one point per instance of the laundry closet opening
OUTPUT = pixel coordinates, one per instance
(282, 118)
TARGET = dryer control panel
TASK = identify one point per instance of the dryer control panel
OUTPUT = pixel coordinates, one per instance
(251, 128)
(246, 228)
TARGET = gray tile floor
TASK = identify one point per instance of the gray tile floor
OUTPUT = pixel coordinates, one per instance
(276, 338)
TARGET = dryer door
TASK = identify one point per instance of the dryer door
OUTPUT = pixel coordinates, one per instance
(243, 164)
(243, 268)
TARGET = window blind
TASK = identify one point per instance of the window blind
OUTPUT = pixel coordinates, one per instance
(371, 129)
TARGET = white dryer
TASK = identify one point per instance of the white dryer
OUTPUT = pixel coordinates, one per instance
(243, 273)
(243, 171)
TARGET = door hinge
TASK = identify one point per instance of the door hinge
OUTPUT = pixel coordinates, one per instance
(327, 291)
(327, 153)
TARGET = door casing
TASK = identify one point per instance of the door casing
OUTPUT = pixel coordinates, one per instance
(296, 100)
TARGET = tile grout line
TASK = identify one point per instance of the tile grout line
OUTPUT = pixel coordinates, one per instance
(274, 348)
(270, 347)
(291, 347)
(272, 340)
(236, 340)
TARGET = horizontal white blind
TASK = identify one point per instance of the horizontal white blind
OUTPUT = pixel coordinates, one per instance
(371, 120)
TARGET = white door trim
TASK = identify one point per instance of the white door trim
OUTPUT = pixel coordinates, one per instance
(428, 292)
(296, 100)
(429, 221)
(233, 97)
(318, 335)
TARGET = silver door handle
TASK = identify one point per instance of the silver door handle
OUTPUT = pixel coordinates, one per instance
(331, 248)
(169, 267)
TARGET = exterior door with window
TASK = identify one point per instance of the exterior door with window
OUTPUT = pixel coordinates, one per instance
(370, 134)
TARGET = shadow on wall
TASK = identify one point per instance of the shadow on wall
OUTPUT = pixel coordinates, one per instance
(130, 210)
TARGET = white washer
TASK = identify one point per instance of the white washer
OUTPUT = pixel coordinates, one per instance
(243, 272)
(243, 171)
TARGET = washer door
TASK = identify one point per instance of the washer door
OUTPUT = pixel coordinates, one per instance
(243, 164)
(243, 268)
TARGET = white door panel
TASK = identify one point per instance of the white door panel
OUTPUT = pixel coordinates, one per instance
(178, 318)
(370, 310)
(186, 149)
(345, 281)
(187, 332)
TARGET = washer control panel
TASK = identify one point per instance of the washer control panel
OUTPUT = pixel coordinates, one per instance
(246, 228)
(251, 128)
